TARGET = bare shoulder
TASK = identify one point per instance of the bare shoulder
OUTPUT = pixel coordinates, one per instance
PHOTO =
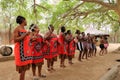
(16, 29)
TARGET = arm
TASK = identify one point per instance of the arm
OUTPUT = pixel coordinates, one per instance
(17, 38)
(33, 37)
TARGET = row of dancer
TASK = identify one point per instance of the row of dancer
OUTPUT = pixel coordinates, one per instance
(31, 48)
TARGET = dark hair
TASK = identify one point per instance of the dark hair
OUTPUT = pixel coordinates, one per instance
(50, 26)
(30, 28)
(83, 32)
(19, 19)
(77, 32)
(68, 31)
(63, 29)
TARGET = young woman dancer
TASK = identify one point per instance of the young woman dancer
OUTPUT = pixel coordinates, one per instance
(94, 42)
(106, 44)
(36, 46)
(71, 46)
(102, 47)
(85, 46)
(89, 41)
(21, 49)
(62, 49)
(51, 57)
(78, 40)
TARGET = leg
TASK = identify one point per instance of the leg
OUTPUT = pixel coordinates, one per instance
(95, 51)
(106, 51)
(52, 64)
(80, 56)
(39, 70)
(61, 60)
(34, 69)
(100, 52)
(86, 54)
(64, 57)
(22, 75)
(48, 64)
(70, 59)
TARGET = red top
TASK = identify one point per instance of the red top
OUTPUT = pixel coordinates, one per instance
(36, 49)
(51, 50)
(22, 50)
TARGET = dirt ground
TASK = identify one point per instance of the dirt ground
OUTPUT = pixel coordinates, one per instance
(91, 69)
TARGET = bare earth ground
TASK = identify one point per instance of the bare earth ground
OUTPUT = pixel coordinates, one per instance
(91, 69)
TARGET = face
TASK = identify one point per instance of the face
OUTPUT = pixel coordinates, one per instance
(24, 22)
(83, 34)
(78, 32)
(88, 34)
(70, 32)
(36, 29)
(52, 29)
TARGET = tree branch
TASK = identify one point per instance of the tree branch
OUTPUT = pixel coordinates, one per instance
(66, 14)
(85, 14)
(40, 6)
(108, 5)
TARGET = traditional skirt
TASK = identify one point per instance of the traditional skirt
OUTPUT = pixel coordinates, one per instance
(51, 51)
(90, 46)
(85, 45)
(22, 53)
(80, 46)
(105, 45)
(71, 48)
(102, 46)
(36, 50)
(61, 47)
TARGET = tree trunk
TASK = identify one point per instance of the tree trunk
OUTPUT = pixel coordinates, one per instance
(35, 11)
(10, 33)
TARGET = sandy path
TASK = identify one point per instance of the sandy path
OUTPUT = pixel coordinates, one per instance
(91, 69)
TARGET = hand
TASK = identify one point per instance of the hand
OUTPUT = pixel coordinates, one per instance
(28, 33)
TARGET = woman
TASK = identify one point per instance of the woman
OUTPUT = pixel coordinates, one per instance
(85, 46)
(89, 41)
(71, 46)
(94, 42)
(102, 47)
(52, 53)
(36, 45)
(21, 49)
(62, 51)
(79, 44)
(106, 44)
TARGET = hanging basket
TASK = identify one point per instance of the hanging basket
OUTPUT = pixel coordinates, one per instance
(6, 51)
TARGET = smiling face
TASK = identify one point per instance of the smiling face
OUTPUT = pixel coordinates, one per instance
(36, 28)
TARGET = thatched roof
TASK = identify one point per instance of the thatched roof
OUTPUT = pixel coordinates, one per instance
(94, 31)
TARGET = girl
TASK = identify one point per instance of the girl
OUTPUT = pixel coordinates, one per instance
(21, 49)
(106, 44)
(71, 46)
(90, 49)
(85, 46)
(36, 46)
(79, 44)
(102, 47)
(52, 54)
(94, 42)
(62, 49)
